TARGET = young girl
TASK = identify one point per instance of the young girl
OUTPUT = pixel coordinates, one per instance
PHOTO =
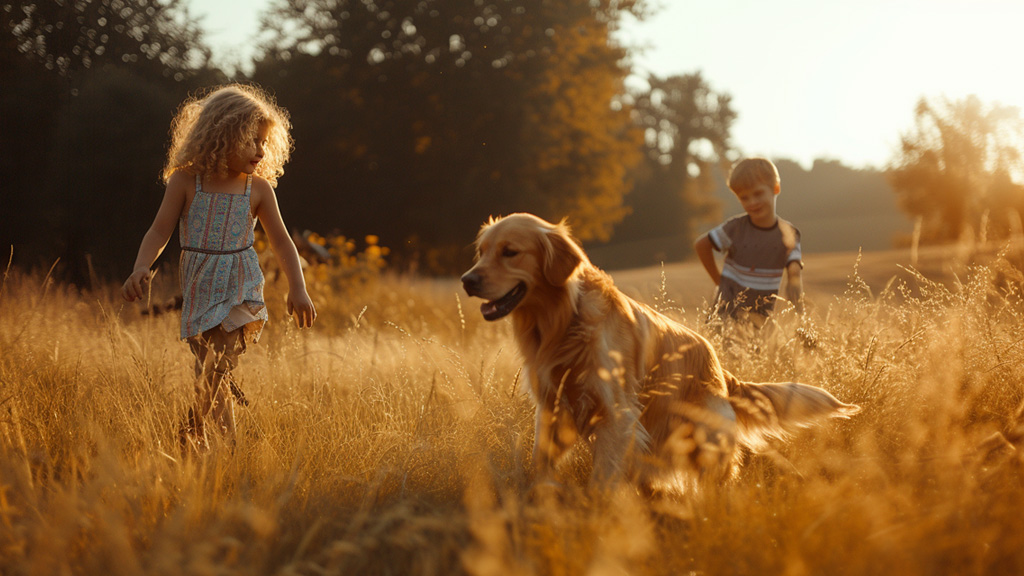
(227, 150)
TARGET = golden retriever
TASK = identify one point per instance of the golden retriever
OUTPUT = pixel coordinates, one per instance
(647, 392)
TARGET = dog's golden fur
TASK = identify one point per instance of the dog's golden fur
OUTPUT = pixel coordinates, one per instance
(647, 391)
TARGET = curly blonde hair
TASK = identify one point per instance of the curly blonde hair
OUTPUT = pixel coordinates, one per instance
(210, 127)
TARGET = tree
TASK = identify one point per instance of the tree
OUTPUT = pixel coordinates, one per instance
(103, 174)
(686, 141)
(87, 89)
(420, 119)
(961, 164)
(66, 36)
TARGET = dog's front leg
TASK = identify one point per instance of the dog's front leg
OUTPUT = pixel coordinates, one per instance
(542, 440)
(618, 437)
(546, 445)
(554, 432)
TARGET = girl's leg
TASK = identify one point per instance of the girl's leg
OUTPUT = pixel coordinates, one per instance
(224, 406)
(193, 430)
(222, 409)
(216, 353)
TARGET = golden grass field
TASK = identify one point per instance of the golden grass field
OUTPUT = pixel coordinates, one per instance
(395, 437)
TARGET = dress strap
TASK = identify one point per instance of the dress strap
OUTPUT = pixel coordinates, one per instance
(199, 182)
(248, 184)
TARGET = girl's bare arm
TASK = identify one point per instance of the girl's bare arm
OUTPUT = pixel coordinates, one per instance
(269, 214)
(155, 240)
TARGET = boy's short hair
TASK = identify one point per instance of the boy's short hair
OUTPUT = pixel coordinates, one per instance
(751, 172)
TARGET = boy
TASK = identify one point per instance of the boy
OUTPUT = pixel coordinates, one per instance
(758, 246)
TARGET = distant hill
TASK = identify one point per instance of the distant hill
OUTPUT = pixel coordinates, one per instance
(837, 208)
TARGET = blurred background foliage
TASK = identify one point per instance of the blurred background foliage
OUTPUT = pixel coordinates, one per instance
(415, 121)
(960, 169)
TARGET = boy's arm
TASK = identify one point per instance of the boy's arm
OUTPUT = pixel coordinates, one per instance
(269, 214)
(795, 285)
(705, 251)
(155, 240)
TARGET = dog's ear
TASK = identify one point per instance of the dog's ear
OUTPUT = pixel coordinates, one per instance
(561, 255)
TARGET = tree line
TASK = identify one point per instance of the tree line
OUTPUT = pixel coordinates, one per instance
(414, 121)
(960, 169)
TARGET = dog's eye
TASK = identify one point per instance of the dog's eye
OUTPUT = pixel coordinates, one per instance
(509, 252)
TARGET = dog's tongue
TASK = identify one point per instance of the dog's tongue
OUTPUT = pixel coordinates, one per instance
(503, 306)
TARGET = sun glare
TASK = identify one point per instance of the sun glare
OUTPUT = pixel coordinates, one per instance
(836, 80)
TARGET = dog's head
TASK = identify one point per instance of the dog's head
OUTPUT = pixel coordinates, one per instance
(519, 257)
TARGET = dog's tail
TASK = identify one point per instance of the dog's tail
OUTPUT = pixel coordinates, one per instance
(776, 410)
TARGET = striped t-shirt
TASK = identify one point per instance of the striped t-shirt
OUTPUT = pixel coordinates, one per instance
(755, 259)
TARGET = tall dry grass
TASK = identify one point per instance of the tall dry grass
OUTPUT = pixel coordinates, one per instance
(394, 438)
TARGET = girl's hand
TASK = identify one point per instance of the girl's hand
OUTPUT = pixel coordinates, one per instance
(136, 285)
(302, 307)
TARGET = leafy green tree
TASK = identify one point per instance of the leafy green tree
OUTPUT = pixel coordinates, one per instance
(961, 164)
(686, 142)
(420, 119)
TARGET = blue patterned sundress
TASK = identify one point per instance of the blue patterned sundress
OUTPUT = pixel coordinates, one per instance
(221, 280)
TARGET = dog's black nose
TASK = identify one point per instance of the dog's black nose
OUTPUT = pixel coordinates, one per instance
(471, 283)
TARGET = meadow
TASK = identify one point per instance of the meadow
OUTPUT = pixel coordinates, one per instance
(395, 437)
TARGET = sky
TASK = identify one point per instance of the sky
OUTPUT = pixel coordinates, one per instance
(808, 78)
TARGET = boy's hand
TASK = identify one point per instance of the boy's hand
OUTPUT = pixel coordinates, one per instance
(302, 307)
(136, 285)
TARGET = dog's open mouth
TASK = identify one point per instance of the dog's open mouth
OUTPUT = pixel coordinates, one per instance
(502, 306)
